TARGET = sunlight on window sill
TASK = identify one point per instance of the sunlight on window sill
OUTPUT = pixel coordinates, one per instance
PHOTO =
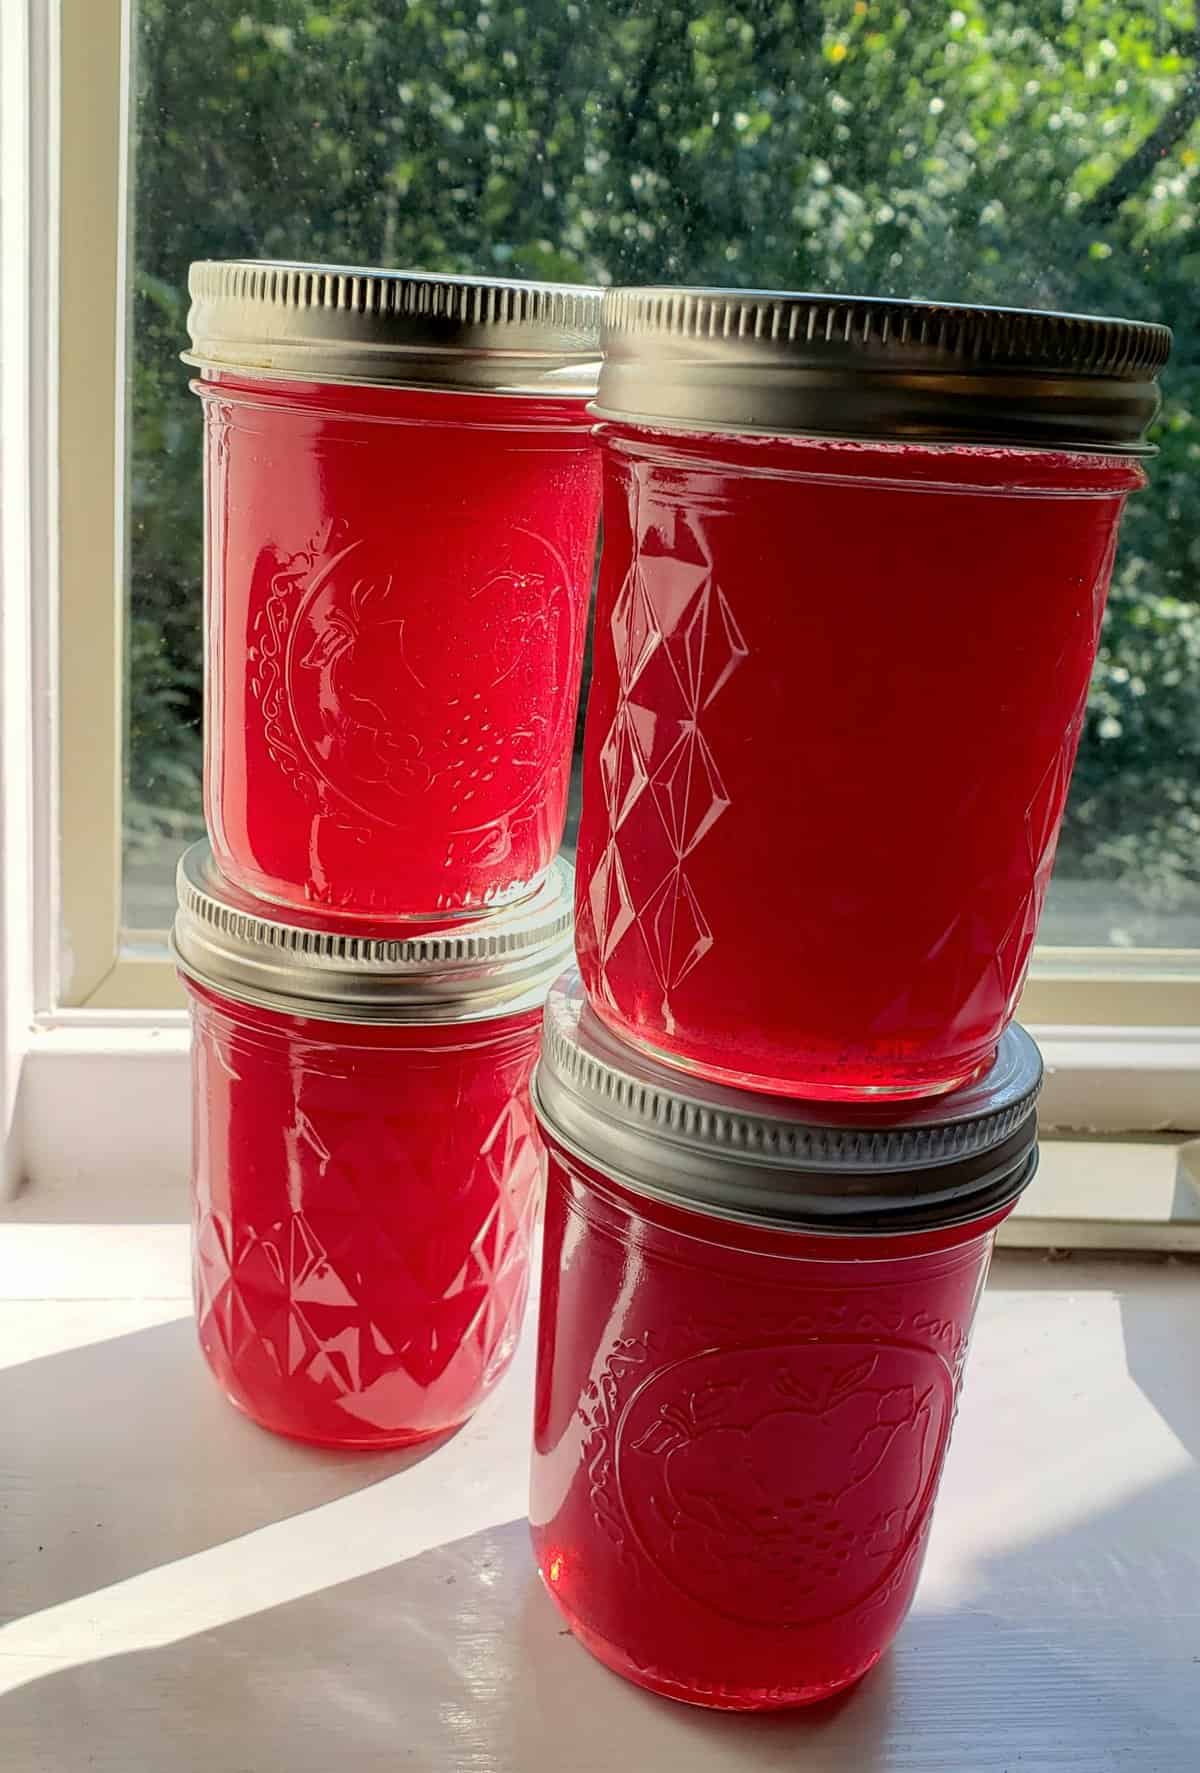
(162, 1545)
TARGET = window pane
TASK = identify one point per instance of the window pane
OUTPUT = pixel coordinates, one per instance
(1041, 152)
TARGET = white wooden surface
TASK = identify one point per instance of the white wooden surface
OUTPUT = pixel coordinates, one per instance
(179, 1591)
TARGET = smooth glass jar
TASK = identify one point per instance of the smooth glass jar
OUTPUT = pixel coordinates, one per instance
(742, 1412)
(400, 531)
(838, 686)
(366, 1170)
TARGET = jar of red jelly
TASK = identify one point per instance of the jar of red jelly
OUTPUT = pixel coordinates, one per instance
(400, 516)
(753, 1323)
(856, 556)
(366, 1168)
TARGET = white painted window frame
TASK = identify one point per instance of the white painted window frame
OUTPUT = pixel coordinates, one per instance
(93, 1038)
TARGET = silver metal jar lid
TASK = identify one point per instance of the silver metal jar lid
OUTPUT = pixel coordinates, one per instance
(412, 329)
(903, 1166)
(498, 963)
(873, 369)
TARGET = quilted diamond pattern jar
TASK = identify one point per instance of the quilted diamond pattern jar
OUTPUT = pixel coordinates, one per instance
(365, 1166)
(856, 555)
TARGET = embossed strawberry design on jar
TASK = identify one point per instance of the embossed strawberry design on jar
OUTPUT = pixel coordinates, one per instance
(471, 695)
(753, 1325)
(402, 498)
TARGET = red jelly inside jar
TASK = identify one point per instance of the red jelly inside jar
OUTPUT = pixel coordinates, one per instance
(738, 1439)
(397, 585)
(753, 1323)
(366, 1170)
(363, 1201)
(837, 694)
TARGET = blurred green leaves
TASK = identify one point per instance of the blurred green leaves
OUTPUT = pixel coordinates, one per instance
(986, 151)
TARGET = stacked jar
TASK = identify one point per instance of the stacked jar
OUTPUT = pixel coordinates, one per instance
(401, 497)
(856, 555)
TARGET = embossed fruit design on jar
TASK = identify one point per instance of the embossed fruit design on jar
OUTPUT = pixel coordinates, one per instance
(856, 556)
(753, 1325)
(401, 506)
(366, 1167)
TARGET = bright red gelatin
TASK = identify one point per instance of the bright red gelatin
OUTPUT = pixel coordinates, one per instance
(363, 1199)
(397, 586)
(738, 1438)
(837, 694)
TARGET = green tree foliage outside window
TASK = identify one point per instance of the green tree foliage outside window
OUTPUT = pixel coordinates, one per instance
(1033, 152)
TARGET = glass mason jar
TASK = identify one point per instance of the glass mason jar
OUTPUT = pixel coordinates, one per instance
(366, 1167)
(401, 502)
(753, 1323)
(856, 555)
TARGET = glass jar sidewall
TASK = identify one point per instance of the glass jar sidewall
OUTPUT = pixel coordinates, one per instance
(981, 468)
(737, 1451)
(395, 404)
(359, 755)
(210, 1007)
(342, 1177)
(857, 650)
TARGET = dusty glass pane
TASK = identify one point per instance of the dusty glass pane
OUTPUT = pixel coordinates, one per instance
(1041, 152)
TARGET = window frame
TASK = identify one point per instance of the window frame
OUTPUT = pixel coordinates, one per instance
(92, 965)
(1121, 1031)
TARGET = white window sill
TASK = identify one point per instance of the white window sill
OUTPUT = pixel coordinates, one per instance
(1111, 1194)
(179, 1586)
(104, 1121)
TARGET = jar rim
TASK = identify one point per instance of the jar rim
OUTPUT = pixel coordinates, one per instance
(866, 368)
(406, 328)
(777, 1162)
(984, 1212)
(463, 969)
